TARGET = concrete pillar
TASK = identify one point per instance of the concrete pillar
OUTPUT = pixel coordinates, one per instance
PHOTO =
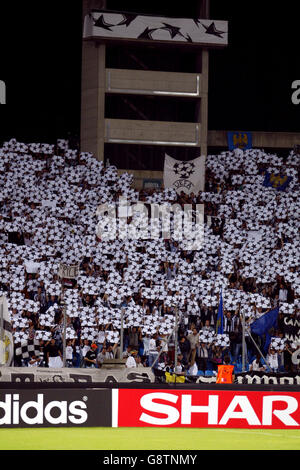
(204, 102)
(204, 13)
(203, 67)
(204, 10)
(93, 99)
(92, 91)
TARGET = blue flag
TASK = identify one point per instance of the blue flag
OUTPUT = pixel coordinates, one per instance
(219, 326)
(276, 181)
(262, 325)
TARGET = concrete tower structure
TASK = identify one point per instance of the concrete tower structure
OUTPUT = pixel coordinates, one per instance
(145, 84)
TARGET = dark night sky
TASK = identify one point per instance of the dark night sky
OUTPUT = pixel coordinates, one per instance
(250, 81)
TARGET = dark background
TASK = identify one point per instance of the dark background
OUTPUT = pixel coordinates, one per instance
(250, 81)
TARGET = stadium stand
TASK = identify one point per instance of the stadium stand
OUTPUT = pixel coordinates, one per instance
(49, 199)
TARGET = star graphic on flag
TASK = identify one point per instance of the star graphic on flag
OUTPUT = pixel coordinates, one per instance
(184, 169)
(188, 38)
(128, 18)
(146, 34)
(100, 23)
(211, 29)
(173, 30)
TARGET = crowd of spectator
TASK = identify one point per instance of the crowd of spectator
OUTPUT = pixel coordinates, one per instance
(49, 200)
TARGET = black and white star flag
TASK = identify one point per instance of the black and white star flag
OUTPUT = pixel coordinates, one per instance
(184, 176)
(101, 23)
(211, 29)
(127, 19)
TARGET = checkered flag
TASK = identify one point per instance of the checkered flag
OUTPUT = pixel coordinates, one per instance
(27, 349)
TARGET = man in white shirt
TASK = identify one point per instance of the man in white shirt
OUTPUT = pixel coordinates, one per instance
(282, 293)
(146, 344)
(257, 365)
(153, 350)
(131, 362)
(193, 369)
(272, 359)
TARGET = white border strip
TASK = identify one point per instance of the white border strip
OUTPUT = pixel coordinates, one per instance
(115, 407)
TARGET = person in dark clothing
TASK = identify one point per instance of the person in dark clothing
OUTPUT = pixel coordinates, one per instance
(54, 355)
(185, 347)
(90, 359)
(43, 353)
(134, 337)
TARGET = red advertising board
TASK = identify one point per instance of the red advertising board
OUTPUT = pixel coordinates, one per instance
(206, 409)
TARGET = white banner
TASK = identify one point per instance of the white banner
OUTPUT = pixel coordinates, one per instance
(114, 25)
(6, 337)
(68, 271)
(45, 374)
(184, 176)
(140, 375)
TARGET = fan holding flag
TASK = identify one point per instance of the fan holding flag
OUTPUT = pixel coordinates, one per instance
(219, 325)
(262, 326)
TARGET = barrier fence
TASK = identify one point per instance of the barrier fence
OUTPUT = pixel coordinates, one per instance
(91, 404)
(143, 375)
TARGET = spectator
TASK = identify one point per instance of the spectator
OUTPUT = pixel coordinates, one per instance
(283, 293)
(131, 360)
(127, 352)
(193, 369)
(257, 364)
(101, 337)
(105, 353)
(272, 359)
(139, 361)
(184, 347)
(134, 337)
(70, 353)
(84, 348)
(110, 352)
(237, 341)
(90, 359)
(146, 344)
(54, 355)
(35, 361)
(216, 358)
(193, 339)
(153, 350)
(179, 369)
(203, 355)
(225, 372)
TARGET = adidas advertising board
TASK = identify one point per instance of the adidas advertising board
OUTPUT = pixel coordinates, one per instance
(46, 408)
